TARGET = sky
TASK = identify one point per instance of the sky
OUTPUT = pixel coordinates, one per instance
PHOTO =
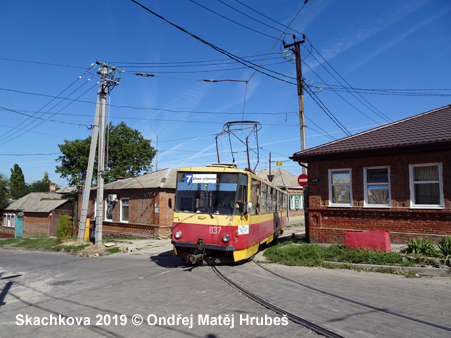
(364, 64)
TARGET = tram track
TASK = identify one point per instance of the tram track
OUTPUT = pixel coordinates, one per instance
(393, 313)
(445, 330)
(291, 316)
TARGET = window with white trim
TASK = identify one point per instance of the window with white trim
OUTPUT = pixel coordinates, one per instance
(340, 192)
(109, 205)
(426, 185)
(125, 209)
(377, 187)
(9, 220)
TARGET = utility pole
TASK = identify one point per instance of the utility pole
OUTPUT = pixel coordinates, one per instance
(295, 48)
(98, 132)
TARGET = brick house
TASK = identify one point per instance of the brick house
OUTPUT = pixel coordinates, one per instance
(396, 177)
(140, 206)
(41, 212)
(289, 182)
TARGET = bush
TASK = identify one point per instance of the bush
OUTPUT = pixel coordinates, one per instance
(445, 246)
(422, 246)
(64, 228)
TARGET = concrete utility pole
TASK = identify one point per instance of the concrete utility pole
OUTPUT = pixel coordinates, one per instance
(107, 82)
(297, 52)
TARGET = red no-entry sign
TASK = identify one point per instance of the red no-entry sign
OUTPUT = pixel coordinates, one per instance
(302, 180)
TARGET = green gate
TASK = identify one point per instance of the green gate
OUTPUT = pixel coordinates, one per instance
(19, 225)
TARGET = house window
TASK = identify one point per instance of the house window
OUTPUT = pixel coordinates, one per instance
(340, 193)
(124, 209)
(9, 220)
(377, 187)
(109, 210)
(426, 185)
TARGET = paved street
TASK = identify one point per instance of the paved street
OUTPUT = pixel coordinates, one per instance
(113, 289)
(52, 294)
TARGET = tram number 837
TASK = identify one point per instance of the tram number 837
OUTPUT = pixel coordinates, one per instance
(214, 230)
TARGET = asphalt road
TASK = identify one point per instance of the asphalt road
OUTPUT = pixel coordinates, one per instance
(53, 294)
(152, 294)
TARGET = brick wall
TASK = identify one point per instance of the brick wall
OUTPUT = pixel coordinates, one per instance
(328, 224)
(36, 224)
(149, 213)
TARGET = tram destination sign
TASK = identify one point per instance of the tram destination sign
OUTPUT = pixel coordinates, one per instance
(200, 178)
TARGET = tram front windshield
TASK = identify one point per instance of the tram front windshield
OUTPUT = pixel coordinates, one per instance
(206, 193)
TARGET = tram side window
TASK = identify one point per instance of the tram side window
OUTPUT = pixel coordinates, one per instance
(264, 197)
(269, 200)
(255, 197)
(280, 201)
(274, 199)
(242, 193)
(284, 202)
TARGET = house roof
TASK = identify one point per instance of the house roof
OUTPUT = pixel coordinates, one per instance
(66, 190)
(164, 179)
(426, 131)
(38, 202)
(282, 178)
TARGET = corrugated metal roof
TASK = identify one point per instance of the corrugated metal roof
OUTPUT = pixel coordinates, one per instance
(429, 128)
(282, 178)
(165, 179)
(38, 202)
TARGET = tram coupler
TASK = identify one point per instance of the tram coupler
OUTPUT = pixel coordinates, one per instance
(193, 258)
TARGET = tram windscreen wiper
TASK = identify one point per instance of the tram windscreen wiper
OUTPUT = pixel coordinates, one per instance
(209, 211)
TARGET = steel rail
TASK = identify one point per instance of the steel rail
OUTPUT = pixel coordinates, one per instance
(445, 328)
(296, 319)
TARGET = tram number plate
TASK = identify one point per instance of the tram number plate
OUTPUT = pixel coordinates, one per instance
(214, 230)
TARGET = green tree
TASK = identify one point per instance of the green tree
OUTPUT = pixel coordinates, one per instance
(17, 182)
(128, 154)
(41, 185)
(4, 191)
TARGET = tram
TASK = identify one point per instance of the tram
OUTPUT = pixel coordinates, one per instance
(224, 214)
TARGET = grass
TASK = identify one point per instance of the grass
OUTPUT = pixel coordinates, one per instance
(113, 250)
(312, 255)
(9, 241)
(42, 243)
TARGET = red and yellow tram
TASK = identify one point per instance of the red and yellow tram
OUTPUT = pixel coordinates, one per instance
(224, 214)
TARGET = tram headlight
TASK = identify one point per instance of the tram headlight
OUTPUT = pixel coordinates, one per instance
(178, 235)
(226, 238)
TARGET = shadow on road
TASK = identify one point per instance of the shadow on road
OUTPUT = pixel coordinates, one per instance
(167, 260)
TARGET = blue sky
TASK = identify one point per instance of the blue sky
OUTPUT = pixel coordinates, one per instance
(47, 48)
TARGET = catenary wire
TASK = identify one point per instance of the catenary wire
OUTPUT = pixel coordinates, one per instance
(235, 22)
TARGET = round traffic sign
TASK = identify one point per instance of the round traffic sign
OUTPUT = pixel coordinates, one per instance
(302, 180)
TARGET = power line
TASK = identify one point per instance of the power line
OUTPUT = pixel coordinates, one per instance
(36, 154)
(235, 22)
(42, 63)
(358, 97)
(218, 49)
(267, 17)
(40, 118)
(261, 22)
(326, 111)
(342, 96)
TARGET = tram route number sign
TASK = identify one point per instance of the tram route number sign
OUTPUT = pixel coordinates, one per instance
(302, 180)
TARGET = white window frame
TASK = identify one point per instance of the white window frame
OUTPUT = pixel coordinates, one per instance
(344, 205)
(9, 220)
(122, 204)
(365, 185)
(413, 205)
(106, 208)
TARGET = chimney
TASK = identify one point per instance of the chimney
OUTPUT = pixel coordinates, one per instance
(52, 187)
